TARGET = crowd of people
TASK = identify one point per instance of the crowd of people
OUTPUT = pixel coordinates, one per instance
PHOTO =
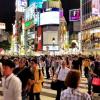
(22, 77)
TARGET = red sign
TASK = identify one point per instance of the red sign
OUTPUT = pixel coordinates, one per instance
(39, 32)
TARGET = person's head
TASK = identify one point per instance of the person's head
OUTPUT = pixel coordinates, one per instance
(8, 67)
(34, 62)
(16, 61)
(63, 63)
(73, 78)
(97, 58)
(22, 62)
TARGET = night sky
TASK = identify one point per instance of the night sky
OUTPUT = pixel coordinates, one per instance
(69, 4)
(7, 13)
(7, 10)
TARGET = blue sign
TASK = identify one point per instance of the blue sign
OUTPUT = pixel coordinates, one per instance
(34, 1)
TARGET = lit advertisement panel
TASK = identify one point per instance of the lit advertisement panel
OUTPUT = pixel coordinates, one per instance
(95, 7)
(61, 13)
(47, 18)
(21, 5)
(32, 1)
(54, 4)
(29, 13)
(74, 15)
(36, 1)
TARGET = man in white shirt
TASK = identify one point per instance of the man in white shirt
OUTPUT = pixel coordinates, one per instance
(12, 86)
(61, 74)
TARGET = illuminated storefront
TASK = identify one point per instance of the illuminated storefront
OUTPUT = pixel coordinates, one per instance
(90, 26)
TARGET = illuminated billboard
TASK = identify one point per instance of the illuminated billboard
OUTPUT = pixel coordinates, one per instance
(74, 15)
(21, 5)
(47, 18)
(29, 13)
(95, 7)
(35, 1)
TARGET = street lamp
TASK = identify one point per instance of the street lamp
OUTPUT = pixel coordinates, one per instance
(53, 41)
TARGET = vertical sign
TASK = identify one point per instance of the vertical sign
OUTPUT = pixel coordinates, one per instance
(74, 15)
(39, 33)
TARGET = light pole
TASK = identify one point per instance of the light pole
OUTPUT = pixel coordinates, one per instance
(53, 41)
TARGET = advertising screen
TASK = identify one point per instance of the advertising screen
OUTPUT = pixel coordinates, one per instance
(95, 7)
(74, 15)
(21, 5)
(29, 12)
(47, 18)
(36, 1)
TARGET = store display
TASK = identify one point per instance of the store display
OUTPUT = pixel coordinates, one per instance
(91, 39)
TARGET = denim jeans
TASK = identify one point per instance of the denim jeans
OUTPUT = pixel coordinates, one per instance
(89, 80)
(24, 97)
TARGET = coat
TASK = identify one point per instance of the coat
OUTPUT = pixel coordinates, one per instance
(38, 78)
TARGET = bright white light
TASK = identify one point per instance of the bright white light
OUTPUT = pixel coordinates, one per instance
(51, 17)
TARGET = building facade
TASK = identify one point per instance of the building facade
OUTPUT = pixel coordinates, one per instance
(90, 26)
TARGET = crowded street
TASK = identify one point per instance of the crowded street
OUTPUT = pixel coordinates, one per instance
(49, 94)
(52, 63)
(49, 49)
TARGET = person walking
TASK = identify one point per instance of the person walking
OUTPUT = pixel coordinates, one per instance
(60, 76)
(25, 75)
(96, 73)
(72, 83)
(12, 86)
(37, 82)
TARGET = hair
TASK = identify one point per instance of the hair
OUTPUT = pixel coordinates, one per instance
(8, 63)
(67, 60)
(35, 60)
(72, 79)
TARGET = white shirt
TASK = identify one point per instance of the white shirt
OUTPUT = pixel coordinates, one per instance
(12, 88)
(62, 73)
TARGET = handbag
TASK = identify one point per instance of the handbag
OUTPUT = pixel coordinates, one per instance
(54, 85)
(96, 81)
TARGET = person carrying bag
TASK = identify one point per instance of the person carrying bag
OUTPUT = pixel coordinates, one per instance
(54, 83)
(60, 76)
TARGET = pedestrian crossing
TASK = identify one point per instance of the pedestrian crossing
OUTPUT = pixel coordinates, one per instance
(49, 94)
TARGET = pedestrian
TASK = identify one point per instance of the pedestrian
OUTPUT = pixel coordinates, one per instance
(87, 72)
(37, 82)
(25, 75)
(96, 73)
(12, 86)
(60, 76)
(48, 65)
(72, 82)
